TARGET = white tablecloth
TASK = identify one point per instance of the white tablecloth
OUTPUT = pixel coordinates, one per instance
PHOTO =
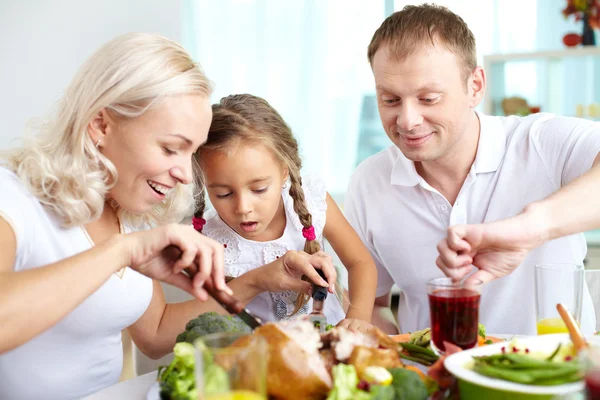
(133, 389)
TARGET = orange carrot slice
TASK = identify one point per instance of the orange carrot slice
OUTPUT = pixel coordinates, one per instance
(402, 338)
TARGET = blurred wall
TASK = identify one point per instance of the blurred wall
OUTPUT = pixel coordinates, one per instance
(43, 43)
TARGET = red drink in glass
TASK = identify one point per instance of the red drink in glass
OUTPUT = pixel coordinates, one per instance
(454, 311)
(592, 384)
(589, 358)
(454, 317)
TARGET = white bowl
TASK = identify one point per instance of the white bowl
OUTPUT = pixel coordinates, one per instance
(476, 386)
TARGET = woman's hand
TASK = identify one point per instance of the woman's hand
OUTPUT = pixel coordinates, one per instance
(286, 272)
(357, 325)
(150, 253)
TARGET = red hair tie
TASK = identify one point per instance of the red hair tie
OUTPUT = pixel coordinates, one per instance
(309, 233)
(198, 223)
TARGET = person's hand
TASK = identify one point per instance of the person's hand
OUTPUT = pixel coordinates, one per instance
(356, 325)
(200, 256)
(286, 272)
(495, 248)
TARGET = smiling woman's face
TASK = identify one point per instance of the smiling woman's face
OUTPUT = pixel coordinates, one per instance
(153, 153)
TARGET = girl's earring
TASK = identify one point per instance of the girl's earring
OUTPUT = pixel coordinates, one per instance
(98, 143)
(284, 186)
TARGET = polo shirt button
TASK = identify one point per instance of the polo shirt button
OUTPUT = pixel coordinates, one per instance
(443, 207)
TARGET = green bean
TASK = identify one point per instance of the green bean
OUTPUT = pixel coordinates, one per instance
(524, 369)
(417, 360)
(413, 348)
(517, 361)
(422, 356)
(529, 361)
(541, 374)
(495, 372)
(550, 377)
(554, 353)
(574, 377)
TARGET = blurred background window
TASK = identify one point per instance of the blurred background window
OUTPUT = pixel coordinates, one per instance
(308, 59)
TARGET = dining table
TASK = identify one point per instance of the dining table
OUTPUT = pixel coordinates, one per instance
(139, 388)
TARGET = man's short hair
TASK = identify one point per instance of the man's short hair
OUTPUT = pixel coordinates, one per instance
(405, 31)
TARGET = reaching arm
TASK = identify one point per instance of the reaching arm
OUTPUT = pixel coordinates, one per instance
(34, 300)
(362, 273)
(155, 332)
(497, 248)
(383, 316)
(572, 209)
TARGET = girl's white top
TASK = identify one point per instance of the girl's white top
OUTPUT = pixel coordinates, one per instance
(82, 353)
(243, 255)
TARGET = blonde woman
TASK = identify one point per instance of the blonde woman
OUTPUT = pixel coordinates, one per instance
(87, 208)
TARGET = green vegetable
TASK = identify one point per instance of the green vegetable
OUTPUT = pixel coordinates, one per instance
(555, 352)
(345, 382)
(481, 330)
(515, 361)
(216, 380)
(421, 338)
(382, 392)
(408, 385)
(418, 349)
(328, 327)
(528, 370)
(419, 354)
(177, 380)
(418, 360)
(211, 322)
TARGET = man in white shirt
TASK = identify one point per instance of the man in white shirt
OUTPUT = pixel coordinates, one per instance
(451, 166)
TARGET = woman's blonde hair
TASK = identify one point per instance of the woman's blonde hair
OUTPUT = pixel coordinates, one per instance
(62, 166)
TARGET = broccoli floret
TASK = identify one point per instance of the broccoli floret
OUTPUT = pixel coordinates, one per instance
(481, 331)
(211, 322)
(177, 381)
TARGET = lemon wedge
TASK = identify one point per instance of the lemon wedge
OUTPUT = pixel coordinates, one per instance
(377, 375)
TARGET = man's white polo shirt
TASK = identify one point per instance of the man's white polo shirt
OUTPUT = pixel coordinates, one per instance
(401, 218)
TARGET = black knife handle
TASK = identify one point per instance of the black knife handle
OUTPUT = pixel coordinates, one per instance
(319, 292)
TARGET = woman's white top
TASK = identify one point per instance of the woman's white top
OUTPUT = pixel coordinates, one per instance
(243, 255)
(83, 352)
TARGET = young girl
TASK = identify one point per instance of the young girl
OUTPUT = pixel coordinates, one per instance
(264, 208)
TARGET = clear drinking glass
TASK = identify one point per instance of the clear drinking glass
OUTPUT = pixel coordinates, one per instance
(557, 283)
(454, 309)
(231, 366)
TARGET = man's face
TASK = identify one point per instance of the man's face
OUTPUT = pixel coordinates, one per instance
(424, 102)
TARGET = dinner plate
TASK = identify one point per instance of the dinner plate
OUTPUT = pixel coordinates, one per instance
(476, 386)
